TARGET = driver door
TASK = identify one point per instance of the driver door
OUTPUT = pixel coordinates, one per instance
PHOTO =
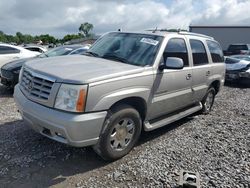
(172, 88)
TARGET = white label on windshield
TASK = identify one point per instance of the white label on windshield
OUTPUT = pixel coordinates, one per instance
(149, 41)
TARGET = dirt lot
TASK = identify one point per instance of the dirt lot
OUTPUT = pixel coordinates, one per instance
(215, 145)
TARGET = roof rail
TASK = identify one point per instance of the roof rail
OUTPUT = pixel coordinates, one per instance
(194, 34)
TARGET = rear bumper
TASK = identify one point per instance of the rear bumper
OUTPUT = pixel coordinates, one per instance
(73, 129)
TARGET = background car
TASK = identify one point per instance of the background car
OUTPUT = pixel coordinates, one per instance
(237, 70)
(10, 71)
(241, 57)
(237, 49)
(9, 53)
(35, 48)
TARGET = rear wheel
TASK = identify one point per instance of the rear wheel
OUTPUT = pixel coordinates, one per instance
(122, 129)
(208, 101)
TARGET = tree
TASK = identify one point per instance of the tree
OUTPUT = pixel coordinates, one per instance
(85, 29)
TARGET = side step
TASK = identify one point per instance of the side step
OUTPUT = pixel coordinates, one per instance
(170, 119)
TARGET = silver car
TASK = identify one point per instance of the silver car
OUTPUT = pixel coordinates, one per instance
(125, 83)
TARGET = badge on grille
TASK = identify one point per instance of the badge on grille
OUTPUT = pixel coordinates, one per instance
(30, 85)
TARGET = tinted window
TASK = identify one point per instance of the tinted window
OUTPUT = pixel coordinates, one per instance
(8, 50)
(198, 52)
(215, 51)
(237, 47)
(176, 48)
(231, 60)
(34, 49)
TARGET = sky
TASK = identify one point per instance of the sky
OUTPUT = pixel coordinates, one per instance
(61, 17)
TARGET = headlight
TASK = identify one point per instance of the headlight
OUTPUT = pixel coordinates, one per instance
(71, 98)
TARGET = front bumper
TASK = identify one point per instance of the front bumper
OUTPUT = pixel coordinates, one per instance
(9, 78)
(230, 76)
(73, 129)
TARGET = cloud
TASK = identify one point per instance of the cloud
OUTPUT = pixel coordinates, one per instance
(59, 17)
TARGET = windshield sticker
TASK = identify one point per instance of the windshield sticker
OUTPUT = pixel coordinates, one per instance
(149, 41)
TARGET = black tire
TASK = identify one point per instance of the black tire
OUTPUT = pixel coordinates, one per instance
(209, 97)
(117, 116)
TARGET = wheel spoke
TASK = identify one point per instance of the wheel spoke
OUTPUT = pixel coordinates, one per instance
(116, 143)
(129, 136)
(124, 123)
(123, 143)
(113, 136)
(130, 127)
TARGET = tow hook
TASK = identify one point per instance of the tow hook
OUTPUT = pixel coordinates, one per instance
(189, 179)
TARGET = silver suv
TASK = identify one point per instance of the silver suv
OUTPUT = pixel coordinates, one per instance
(126, 83)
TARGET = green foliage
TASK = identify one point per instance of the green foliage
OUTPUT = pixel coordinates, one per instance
(71, 37)
(84, 32)
(85, 29)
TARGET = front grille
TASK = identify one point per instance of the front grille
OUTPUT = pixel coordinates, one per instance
(6, 74)
(36, 85)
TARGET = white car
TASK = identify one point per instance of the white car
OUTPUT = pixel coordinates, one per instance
(9, 53)
(34, 48)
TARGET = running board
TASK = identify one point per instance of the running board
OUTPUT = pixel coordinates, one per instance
(151, 126)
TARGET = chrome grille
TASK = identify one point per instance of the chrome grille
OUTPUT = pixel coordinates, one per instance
(36, 85)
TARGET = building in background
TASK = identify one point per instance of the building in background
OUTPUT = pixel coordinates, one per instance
(225, 35)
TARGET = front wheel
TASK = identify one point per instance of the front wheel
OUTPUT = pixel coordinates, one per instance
(208, 101)
(122, 129)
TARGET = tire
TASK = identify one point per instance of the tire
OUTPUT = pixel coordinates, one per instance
(122, 129)
(208, 101)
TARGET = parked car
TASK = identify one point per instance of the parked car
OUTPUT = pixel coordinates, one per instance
(36, 48)
(9, 53)
(10, 72)
(237, 70)
(241, 57)
(126, 82)
(237, 49)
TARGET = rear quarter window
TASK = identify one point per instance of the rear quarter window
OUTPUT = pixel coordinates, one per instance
(215, 51)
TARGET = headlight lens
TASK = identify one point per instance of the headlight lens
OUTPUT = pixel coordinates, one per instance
(71, 98)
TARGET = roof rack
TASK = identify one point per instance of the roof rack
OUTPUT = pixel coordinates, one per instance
(194, 34)
(181, 32)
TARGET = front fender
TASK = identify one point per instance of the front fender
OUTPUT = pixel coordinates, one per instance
(108, 100)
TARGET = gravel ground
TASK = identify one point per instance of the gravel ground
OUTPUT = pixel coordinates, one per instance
(217, 146)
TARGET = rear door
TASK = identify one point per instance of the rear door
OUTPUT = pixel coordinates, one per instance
(201, 68)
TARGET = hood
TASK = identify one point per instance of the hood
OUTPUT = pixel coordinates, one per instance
(81, 69)
(237, 66)
(16, 63)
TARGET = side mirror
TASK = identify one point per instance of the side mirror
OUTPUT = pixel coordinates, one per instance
(172, 63)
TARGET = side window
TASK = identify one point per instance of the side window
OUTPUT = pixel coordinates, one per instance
(8, 50)
(215, 51)
(198, 52)
(176, 47)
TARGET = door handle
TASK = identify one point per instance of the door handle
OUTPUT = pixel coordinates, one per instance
(188, 76)
(207, 73)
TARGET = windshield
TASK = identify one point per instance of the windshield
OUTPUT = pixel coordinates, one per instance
(134, 49)
(247, 58)
(230, 60)
(62, 50)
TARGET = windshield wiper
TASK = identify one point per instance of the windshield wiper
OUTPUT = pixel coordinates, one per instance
(91, 53)
(116, 58)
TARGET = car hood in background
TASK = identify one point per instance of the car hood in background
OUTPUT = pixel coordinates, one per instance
(16, 63)
(81, 69)
(237, 66)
